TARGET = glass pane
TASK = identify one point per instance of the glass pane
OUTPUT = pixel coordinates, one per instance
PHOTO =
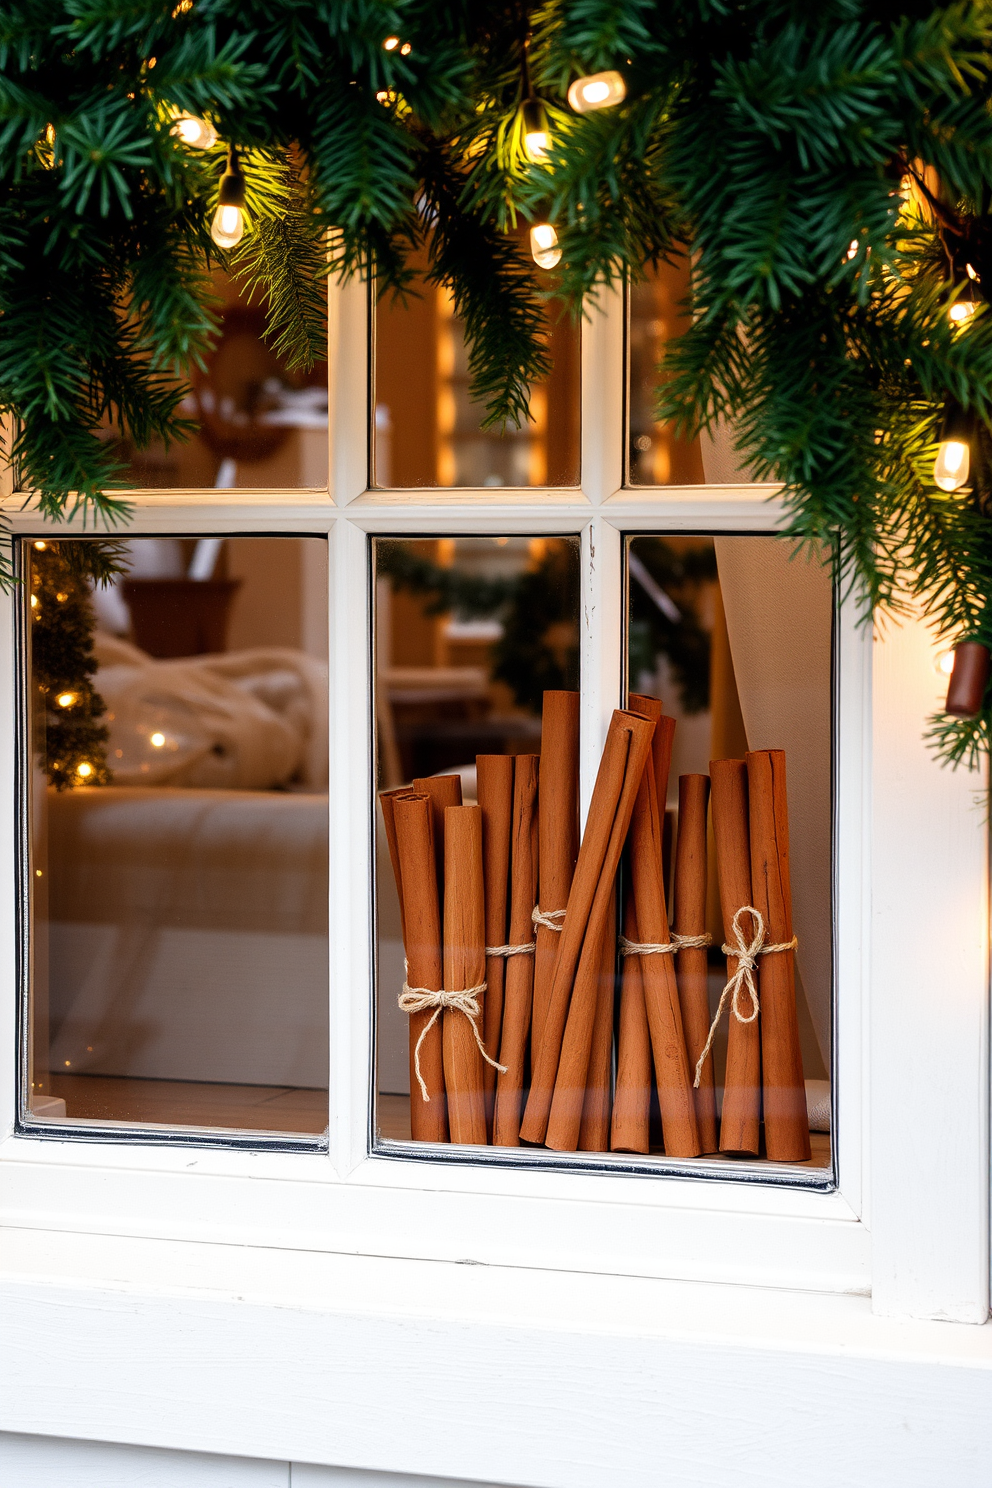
(428, 430)
(596, 1018)
(658, 313)
(472, 635)
(178, 832)
(258, 423)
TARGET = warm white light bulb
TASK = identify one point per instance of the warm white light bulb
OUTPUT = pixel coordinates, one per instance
(390, 44)
(945, 663)
(950, 469)
(66, 699)
(961, 311)
(85, 770)
(544, 245)
(157, 739)
(228, 226)
(852, 251)
(600, 90)
(198, 133)
(536, 143)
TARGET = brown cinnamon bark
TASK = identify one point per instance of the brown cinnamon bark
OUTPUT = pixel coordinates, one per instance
(559, 1076)
(443, 791)
(519, 969)
(464, 967)
(412, 829)
(558, 813)
(594, 1130)
(494, 792)
(783, 1087)
(740, 1126)
(661, 998)
(631, 1125)
(691, 961)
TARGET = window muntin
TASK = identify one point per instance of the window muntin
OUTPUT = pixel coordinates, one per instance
(428, 431)
(178, 897)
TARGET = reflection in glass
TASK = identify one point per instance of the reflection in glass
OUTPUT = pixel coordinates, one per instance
(257, 422)
(428, 430)
(470, 634)
(178, 844)
(658, 312)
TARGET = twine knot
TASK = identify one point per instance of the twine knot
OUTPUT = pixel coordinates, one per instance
(419, 999)
(747, 953)
(551, 919)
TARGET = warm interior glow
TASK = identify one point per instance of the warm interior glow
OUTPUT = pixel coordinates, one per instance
(85, 770)
(41, 546)
(228, 226)
(544, 245)
(157, 739)
(34, 601)
(66, 699)
(950, 469)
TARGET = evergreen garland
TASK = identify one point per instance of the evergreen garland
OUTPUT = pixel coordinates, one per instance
(774, 141)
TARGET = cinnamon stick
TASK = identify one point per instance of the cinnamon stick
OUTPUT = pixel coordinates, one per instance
(519, 969)
(739, 1128)
(661, 998)
(783, 1088)
(464, 968)
(691, 961)
(444, 791)
(558, 812)
(594, 1130)
(412, 828)
(630, 1131)
(559, 1076)
(494, 792)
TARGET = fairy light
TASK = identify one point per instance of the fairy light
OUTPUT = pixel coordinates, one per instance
(952, 466)
(198, 133)
(852, 251)
(945, 663)
(66, 699)
(227, 228)
(157, 740)
(41, 546)
(598, 90)
(544, 245)
(390, 44)
(85, 770)
(536, 135)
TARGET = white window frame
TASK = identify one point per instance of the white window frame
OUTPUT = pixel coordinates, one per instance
(907, 1224)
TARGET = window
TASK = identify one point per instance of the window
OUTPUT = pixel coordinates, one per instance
(177, 851)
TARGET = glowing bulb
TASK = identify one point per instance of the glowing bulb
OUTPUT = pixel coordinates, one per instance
(950, 469)
(228, 226)
(34, 601)
(852, 251)
(157, 739)
(961, 311)
(970, 271)
(41, 546)
(600, 90)
(66, 699)
(390, 44)
(544, 245)
(405, 49)
(536, 135)
(85, 770)
(945, 663)
(200, 134)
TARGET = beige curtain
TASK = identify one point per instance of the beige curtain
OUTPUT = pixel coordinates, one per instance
(779, 610)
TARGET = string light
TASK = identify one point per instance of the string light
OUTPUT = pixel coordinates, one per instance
(544, 245)
(598, 90)
(965, 304)
(157, 740)
(85, 770)
(227, 228)
(953, 463)
(852, 251)
(66, 699)
(41, 546)
(390, 44)
(200, 134)
(536, 135)
(945, 663)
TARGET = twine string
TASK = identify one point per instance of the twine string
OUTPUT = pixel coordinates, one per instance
(659, 948)
(526, 949)
(743, 978)
(419, 999)
(551, 919)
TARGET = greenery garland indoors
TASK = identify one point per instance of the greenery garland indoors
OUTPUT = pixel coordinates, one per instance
(829, 168)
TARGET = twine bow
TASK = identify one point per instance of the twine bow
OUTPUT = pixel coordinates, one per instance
(419, 999)
(743, 977)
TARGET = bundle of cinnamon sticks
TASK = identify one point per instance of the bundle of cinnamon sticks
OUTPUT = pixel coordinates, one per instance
(510, 931)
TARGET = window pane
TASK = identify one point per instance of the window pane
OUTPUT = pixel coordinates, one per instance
(258, 422)
(178, 832)
(428, 430)
(598, 1027)
(470, 634)
(658, 313)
